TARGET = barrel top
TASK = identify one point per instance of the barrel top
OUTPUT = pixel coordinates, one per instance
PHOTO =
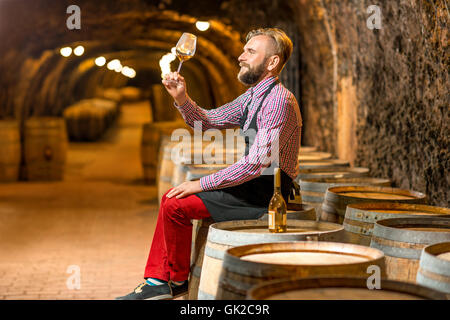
(327, 287)
(419, 230)
(367, 191)
(240, 232)
(399, 208)
(356, 254)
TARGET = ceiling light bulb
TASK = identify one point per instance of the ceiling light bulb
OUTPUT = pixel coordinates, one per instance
(114, 64)
(202, 25)
(100, 61)
(78, 51)
(66, 51)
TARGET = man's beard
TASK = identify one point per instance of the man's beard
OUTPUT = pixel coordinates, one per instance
(252, 75)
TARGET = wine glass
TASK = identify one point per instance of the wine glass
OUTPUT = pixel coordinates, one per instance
(185, 48)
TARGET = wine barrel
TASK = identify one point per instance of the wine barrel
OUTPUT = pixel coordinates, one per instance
(402, 241)
(84, 122)
(313, 190)
(434, 267)
(337, 198)
(11, 150)
(361, 217)
(247, 266)
(45, 148)
(150, 145)
(199, 236)
(88, 119)
(225, 235)
(345, 288)
(314, 156)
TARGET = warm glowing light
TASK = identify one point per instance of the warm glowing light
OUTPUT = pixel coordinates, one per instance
(100, 61)
(164, 63)
(202, 25)
(128, 72)
(114, 65)
(78, 51)
(66, 51)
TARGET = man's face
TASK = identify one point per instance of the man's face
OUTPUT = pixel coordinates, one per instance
(253, 60)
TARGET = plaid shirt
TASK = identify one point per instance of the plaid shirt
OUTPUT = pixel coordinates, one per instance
(279, 120)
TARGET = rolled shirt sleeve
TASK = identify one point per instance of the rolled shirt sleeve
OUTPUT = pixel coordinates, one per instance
(226, 116)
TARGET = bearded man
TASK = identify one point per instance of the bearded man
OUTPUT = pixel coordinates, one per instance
(243, 190)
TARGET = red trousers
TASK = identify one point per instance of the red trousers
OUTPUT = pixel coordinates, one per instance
(170, 252)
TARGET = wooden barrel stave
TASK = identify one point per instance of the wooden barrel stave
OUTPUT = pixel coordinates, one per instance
(199, 236)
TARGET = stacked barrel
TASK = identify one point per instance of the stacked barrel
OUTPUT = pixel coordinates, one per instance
(363, 235)
(35, 153)
(88, 119)
(10, 156)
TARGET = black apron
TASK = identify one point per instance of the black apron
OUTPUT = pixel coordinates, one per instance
(250, 199)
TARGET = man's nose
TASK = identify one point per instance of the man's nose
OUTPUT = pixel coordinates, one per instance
(241, 57)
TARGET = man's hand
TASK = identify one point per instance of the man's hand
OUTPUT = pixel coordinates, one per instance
(176, 87)
(185, 189)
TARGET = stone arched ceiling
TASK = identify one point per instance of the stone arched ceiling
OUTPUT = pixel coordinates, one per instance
(39, 81)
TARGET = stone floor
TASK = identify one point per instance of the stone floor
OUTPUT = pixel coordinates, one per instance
(99, 221)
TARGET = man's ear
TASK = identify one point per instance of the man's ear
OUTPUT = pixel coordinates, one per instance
(274, 61)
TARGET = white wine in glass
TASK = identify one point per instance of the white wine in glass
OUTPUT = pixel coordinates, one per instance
(185, 48)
